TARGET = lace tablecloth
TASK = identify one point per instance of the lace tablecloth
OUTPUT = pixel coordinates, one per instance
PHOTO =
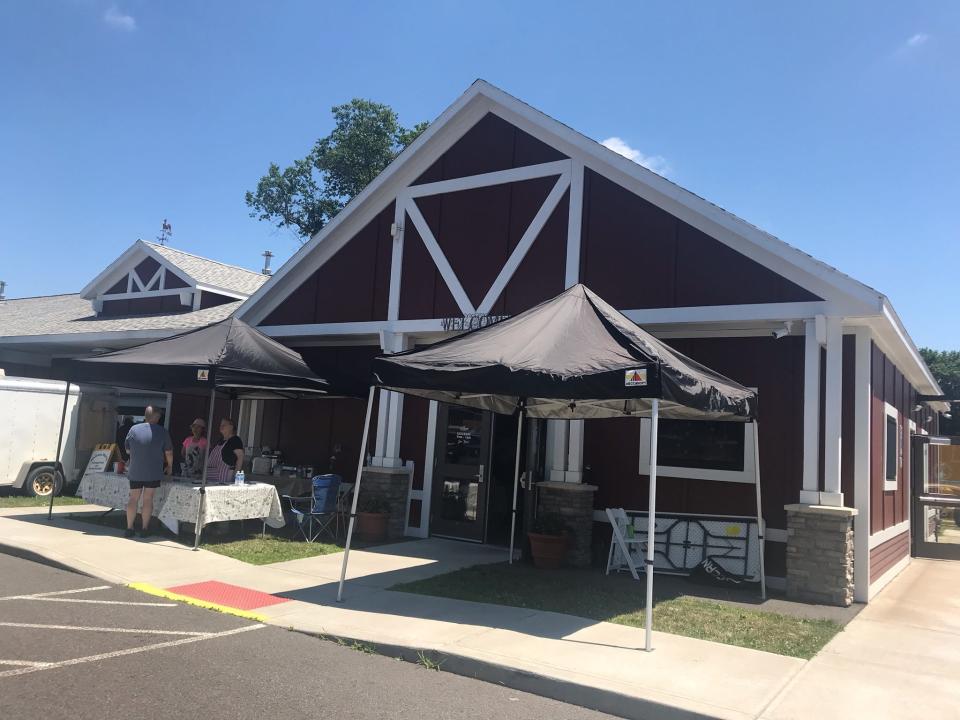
(176, 500)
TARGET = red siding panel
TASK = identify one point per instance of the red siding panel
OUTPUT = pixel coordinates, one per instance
(891, 507)
(886, 555)
(352, 286)
(623, 234)
(477, 230)
(540, 275)
(848, 421)
(492, 144)
(775, 367)
(309, 430)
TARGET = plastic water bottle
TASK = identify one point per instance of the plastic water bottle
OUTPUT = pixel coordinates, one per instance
(239, 478)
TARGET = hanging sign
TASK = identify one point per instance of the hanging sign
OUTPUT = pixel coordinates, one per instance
(203, 375)
(635, 378)
(471, 322)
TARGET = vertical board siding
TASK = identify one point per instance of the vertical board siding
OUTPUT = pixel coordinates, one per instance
(352, 286)
(308, 431)
(887, 554)
(848, 421)
(477, 230)
(623, 234)
(775, 368)
(491, 145)
(890, 507)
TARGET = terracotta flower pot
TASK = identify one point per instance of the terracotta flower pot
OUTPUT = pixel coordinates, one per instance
(548, 551)
(372, 527)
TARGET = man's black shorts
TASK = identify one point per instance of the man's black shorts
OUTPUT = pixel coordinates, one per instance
(138, 485)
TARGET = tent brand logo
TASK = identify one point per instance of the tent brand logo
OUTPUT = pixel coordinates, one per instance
(203, 375)
(635, 378)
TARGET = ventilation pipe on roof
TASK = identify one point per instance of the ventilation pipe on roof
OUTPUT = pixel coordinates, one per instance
(267, 255)
(3, 287)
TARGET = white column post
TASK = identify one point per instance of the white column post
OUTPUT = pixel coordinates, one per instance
(861, 464)
(557, 435)
(574, 471)
(390, 412)
(833, 405)
(810, 494)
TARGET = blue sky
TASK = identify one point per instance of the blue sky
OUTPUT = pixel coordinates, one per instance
(832, 125)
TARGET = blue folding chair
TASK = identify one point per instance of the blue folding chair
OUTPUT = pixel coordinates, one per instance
(316, 514)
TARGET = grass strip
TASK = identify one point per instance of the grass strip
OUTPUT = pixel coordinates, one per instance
(589, 594)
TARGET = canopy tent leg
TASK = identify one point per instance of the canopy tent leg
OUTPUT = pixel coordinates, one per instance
(761, 531)
(651, 524)
(356, 492)
(203, 469)
(56, 460)
(516, 484)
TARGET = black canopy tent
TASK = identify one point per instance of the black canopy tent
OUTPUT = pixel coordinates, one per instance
(573, 357)
(228, 356)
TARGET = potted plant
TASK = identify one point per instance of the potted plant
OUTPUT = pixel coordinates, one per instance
(548, 541)
(372, 516)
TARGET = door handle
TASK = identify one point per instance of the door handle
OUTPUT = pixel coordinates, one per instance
(480, 473)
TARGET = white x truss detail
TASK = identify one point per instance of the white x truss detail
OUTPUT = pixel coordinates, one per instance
(409, 205)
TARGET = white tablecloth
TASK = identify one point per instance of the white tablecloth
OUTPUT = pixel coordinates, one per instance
(176, 500)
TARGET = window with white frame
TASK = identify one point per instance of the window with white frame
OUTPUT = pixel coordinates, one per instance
(892, 447)
(701, 449)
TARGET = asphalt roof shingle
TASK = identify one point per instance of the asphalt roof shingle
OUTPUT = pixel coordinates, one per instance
(70, 314)
(212, 272)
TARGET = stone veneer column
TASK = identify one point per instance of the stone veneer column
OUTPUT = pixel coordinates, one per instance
(820, 554)
(574, 503)
(390, 485)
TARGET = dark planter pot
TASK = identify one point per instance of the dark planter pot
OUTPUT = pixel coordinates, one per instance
(548, 551)
(372, 527)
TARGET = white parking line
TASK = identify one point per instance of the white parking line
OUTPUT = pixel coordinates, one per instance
(130, 651)
(34, 596)
(102, 602)
(25, 663)
(133, 631)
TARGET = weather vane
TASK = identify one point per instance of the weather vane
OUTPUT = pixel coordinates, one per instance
(166, 231)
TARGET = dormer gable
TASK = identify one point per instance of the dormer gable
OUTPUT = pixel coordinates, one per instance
(150, 279)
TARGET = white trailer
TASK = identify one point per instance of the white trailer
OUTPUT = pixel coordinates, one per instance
(30, 412)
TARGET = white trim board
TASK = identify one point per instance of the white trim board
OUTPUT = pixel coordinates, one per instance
(879, 538)
(850, 297)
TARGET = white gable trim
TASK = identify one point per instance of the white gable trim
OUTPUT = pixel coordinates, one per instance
(126, 264)
(852, 297)
(845, 296)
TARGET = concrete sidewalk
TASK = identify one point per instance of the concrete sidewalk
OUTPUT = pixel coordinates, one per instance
(590, 663)
(899, 658)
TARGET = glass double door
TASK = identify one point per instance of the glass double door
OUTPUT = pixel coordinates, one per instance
(936, 497)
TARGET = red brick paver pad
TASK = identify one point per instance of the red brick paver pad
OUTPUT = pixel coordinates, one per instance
(232, 596)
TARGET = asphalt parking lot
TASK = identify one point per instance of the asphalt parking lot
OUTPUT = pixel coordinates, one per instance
(75, 647)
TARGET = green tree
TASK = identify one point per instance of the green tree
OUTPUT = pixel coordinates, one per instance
(945, 366)
(366, 137)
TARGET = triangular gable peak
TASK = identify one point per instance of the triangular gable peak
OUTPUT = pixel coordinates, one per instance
(497, 206)
(147, 279)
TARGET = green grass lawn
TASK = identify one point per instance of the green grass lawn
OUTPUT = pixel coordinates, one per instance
(12, 500)
(270, 549)
(590, 594)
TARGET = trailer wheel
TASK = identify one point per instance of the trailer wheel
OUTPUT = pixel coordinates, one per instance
(42, 481)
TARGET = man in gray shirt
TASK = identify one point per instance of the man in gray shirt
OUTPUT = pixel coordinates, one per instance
(151, 456)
